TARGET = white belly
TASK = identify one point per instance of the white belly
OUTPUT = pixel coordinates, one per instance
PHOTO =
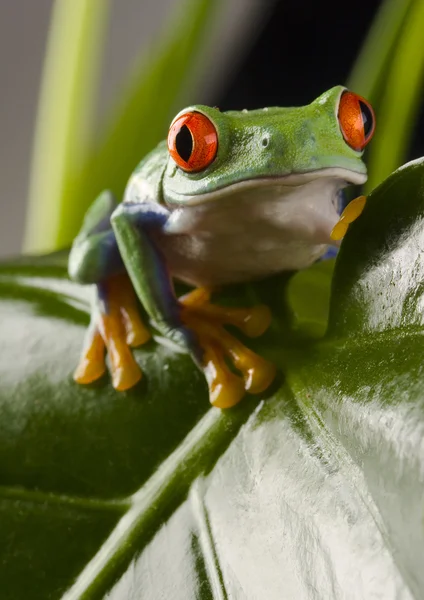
(251, 234)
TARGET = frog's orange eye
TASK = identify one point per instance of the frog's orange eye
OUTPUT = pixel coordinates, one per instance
(357, 120)
(192, 141)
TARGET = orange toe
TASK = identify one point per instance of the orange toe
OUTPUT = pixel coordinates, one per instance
(126, 377)
(225, 388)
(92, 362)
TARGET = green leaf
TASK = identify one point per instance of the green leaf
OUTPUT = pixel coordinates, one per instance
(65, 111)
(315, 489)
(372, 63)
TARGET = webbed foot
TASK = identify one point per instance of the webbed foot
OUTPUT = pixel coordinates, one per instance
(352, 211)
(115, 327)
(207, 321)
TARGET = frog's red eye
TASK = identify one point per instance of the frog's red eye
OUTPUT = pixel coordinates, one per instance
(357, 120)
(192, 141)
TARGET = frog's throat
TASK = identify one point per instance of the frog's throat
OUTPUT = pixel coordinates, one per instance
(345, 176)
(306, 213)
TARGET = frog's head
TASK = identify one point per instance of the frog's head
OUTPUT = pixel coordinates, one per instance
(214, 154)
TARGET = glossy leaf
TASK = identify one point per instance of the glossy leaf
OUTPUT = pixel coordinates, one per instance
(314, 490)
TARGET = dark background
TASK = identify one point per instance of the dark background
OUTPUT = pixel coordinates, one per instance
(305, 48)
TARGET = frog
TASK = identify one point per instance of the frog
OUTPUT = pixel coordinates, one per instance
(229, 197)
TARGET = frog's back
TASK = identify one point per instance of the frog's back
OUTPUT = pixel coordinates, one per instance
(145, 183)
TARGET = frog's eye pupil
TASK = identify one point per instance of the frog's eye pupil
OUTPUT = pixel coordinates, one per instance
(367, 117)
(184, 143)
(192, 141)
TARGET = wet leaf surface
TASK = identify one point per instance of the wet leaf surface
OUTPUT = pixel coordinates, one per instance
(314, 490)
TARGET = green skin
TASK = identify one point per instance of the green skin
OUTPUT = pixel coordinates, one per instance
(266, 203)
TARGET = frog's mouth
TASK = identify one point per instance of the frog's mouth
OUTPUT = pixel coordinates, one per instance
(302, 207)
(344, 176)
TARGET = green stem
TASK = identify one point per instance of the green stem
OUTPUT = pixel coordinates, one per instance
(400, 103)
(378, 48)
(65, 106)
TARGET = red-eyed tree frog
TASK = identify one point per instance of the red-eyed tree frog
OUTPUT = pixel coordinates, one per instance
(229, 197)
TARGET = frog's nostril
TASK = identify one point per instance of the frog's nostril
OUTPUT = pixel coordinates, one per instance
(265, 141)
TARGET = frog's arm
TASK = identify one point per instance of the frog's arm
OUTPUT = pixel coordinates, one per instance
(135, 226)
(95, 256)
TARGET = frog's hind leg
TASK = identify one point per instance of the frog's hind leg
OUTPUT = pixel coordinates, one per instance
(115, 321)
(207, 321)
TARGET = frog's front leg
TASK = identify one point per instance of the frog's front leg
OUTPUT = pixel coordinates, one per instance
(115, 327)
(115, 322)
(192, 320)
